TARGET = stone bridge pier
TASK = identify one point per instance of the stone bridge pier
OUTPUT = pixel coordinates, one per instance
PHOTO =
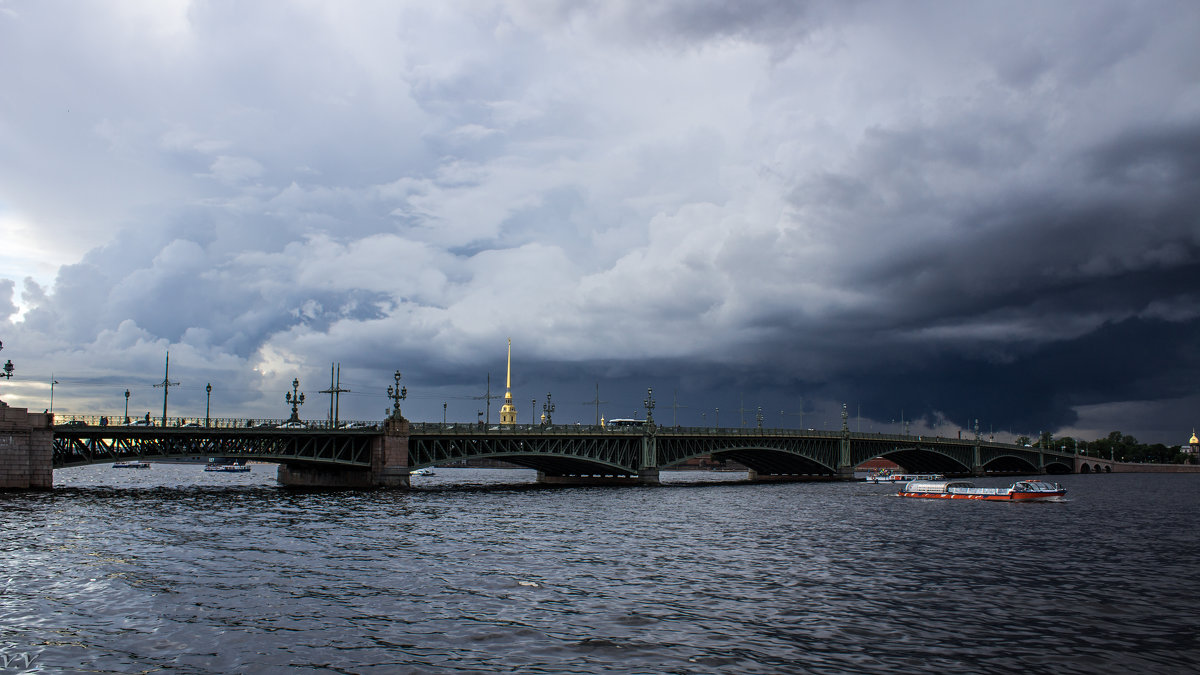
(26, 449)
(389, 464)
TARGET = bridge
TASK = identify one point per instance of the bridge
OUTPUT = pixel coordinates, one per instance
(384, 453)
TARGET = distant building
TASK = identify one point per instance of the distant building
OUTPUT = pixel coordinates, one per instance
(1192, 449)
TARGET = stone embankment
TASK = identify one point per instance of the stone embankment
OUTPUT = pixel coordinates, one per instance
(26, 447)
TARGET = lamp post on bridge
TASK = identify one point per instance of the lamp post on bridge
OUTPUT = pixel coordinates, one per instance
(126, 406)
(547, 411)
(397, 394)
(7, 372)
(52, 383)
(649, 403)
(758, 417)
(533, 412)
(294, 400)
(207, 402)
(443, 414)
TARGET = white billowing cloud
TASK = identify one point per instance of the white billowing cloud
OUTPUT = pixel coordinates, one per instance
(272, 187)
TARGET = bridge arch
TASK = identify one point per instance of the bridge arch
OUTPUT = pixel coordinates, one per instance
(763, 454)
(774, 461)
(1009, 463)
(918, 459)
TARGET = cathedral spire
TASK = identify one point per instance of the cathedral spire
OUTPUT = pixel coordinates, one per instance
(508, 412)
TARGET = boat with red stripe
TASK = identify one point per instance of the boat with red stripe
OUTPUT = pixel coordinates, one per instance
(1020, 491)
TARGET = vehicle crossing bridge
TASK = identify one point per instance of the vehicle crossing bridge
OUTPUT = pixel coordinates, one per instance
(385, 453)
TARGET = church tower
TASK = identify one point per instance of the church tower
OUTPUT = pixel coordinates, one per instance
(508, 413)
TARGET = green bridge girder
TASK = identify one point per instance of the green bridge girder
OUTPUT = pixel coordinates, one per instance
(556, 453)
(560, 451)
(77, 446)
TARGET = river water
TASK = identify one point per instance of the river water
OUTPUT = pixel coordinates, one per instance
(176, 570)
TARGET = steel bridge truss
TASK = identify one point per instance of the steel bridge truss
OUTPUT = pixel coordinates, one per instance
(955, 456)
(554, 454)
(95, 445)
(767, 454)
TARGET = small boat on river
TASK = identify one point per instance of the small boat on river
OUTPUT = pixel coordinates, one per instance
(886, 476)
(1020, 491)
(131, 465)
(426, 471)
(226, 467)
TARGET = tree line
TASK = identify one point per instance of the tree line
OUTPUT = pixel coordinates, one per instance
(1116, 446)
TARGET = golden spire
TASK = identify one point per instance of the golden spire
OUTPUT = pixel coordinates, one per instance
(508, 412)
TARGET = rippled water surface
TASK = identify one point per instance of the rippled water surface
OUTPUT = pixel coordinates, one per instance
(175, 570)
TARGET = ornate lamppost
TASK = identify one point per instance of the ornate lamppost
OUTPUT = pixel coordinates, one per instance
(294, 400)
(758, 417)
(533, 412)
(207, 401)
(7, 372)
(649, 403)
(547, 410)
(397, 394)
(52, 383)
(126, 406)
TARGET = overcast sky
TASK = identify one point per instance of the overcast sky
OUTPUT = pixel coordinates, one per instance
(944, 211)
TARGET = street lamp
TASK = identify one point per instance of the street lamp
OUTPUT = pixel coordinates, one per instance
(295, 400)
(443, 413)
(547, 410)
(533, 412)
(717, 423)
(648, 402)
(126, 406)
(8, 367)
(207, 401)
(397, 394)
(52, 383)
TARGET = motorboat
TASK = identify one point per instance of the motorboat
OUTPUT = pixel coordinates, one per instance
(1022, 491)
(424, 471)
(226, 467)
(886, 476)
(131, 465)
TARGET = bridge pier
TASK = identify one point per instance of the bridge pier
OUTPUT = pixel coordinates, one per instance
(26, 449)
(389, 465)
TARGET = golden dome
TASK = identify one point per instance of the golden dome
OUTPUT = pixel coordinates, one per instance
(1194, 441)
